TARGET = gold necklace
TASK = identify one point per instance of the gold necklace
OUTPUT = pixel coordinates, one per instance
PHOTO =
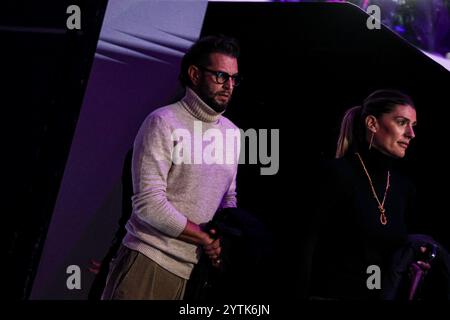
(383, 218)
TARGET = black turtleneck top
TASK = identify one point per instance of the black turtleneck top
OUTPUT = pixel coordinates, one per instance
(347, 235)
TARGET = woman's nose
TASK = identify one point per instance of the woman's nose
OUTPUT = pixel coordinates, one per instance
(410, 132)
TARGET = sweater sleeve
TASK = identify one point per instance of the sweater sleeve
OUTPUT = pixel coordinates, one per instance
(229, 200)
(152, 160)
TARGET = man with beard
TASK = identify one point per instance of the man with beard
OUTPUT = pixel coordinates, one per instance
(172, 200)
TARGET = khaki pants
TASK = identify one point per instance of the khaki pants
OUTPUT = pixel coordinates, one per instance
(133, 276)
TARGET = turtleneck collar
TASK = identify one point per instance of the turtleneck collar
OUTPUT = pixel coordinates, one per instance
(199, 109)
(374, 160)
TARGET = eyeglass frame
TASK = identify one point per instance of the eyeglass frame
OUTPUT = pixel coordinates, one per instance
(236, 77)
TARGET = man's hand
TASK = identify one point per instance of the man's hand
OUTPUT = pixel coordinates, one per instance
(193, 233)
(213, 250)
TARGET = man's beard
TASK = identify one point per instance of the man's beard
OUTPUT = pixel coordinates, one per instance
(217, 107)
(208, 97)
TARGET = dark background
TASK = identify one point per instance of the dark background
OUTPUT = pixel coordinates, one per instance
(304, 65)
(47, 68)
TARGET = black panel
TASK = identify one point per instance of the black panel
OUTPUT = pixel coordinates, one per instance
(47, 67)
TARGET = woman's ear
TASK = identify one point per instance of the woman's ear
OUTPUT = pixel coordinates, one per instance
(194, 74)
(371, 123)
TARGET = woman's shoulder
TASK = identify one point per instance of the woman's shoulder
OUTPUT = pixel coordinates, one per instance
(340, 171)
(337, 165)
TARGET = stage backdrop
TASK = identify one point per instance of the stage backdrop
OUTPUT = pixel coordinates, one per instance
(135, 70)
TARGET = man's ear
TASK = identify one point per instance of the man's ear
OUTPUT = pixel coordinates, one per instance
(371, 123)
(194, 74)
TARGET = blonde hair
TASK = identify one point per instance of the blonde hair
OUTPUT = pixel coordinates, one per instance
(346, 135)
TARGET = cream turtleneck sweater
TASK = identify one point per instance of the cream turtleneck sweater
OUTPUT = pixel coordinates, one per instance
(167, 193)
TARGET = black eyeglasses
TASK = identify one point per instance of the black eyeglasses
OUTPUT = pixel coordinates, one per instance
(222, 77)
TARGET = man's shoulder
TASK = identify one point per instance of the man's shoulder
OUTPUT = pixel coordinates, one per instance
(227, 123)
(166, 114)
(167, 111)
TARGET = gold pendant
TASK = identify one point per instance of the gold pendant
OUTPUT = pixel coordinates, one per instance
(383, 219)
